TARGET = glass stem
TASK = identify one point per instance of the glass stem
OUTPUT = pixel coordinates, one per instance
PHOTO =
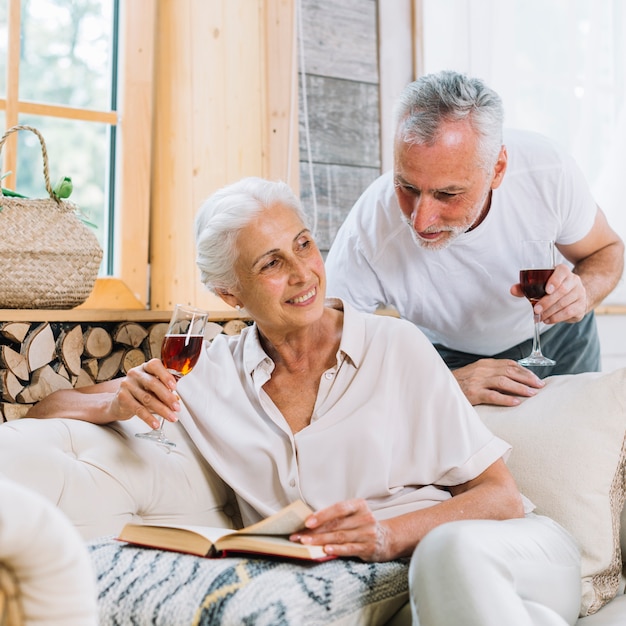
(159, 430)
(536, 343)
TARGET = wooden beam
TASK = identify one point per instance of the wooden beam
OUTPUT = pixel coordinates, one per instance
(280, 117)
(12, 90)
(132, 227)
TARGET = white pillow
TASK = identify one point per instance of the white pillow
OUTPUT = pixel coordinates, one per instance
(569, 458)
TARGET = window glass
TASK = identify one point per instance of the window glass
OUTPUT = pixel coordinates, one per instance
(76, 149)
(67, 91)
(66, 52)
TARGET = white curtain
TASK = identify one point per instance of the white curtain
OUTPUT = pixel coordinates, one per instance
(560, 67)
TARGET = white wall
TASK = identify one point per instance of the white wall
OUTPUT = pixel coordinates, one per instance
(612, 330)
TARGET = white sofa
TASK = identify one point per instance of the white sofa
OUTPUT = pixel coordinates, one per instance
(569, 458)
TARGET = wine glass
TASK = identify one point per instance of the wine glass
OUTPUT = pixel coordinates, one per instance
(538, 265)
(180, 350)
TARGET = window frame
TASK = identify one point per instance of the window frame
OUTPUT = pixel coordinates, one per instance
(129, 285)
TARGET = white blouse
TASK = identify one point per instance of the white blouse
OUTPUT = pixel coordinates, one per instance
(390, 423)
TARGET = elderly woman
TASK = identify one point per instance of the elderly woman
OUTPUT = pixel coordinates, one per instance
(354, 413)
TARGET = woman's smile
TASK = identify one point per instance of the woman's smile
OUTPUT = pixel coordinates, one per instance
(304, 298)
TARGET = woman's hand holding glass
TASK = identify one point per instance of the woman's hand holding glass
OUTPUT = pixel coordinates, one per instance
(149, 392)
(180, 351)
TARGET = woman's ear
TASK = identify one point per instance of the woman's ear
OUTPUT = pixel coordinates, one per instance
(229, 298)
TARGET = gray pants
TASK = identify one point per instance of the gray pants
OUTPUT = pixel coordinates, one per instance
(520, 572)
(574, 347)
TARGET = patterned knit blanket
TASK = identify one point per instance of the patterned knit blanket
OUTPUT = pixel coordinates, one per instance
(145, 587)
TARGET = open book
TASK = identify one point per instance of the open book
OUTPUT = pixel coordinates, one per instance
(268, 537)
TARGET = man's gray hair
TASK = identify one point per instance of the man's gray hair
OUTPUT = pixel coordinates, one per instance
(449, 97)
(223, 215)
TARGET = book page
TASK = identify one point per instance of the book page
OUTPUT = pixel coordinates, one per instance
(270, 545)
(286, 521)
(208, 532)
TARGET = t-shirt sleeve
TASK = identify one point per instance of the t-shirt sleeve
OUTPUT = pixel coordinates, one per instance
(576, 203)
(350, 276)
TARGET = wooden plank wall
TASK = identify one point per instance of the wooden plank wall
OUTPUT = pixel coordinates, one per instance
(222, 112)
(339, 125)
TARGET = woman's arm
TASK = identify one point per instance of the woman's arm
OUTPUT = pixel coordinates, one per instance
(350, 529)
(147, 391)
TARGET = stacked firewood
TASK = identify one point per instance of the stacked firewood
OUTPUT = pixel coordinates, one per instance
(39, 358)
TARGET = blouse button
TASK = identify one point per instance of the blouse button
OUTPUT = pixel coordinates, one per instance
(328, 375)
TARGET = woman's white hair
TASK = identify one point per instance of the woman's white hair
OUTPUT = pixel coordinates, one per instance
(223, 215)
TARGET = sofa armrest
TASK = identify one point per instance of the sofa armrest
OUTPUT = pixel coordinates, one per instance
(46, 564)
(102, 477)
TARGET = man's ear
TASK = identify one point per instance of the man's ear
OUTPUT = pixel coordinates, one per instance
(229, 298)
(499, 168)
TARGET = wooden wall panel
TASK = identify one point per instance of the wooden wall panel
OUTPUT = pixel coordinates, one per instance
(339, 108)
(340, 39)
(337, 188)
(281, 79)
(170, 254)
(132, 226)
(343, 122)
(228, 114)
(224, 108)
(211, 128)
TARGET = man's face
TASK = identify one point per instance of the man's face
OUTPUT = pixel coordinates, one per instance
(443, 189)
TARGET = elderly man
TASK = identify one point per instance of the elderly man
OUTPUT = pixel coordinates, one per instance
(439, 239)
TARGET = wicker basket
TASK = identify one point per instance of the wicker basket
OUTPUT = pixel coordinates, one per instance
(49, 259)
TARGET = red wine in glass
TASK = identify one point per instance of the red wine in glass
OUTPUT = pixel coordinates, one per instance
(180, 353)
(533, 283)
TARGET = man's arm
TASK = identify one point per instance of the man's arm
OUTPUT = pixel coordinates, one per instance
(501, 382)
(598, 261)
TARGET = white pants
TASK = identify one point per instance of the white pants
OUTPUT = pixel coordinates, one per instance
(520, 572)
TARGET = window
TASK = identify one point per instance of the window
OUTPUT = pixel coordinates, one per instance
(560, 67)
(61, 72)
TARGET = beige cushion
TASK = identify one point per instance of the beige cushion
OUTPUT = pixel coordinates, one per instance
(102, 477)
(569, 458)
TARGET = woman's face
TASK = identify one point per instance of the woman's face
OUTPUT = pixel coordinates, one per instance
(282, 282)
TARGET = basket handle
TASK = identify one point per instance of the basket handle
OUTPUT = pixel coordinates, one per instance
(44, 152)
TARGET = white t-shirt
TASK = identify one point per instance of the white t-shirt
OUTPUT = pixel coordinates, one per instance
(389, 423)
(460, 296)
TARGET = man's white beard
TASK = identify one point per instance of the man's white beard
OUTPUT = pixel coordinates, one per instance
(439, 244)
(454, 231)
